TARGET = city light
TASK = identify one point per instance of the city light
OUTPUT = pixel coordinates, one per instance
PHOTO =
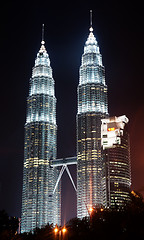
(56, 230)
(60, 232)
(64, 230)
(91, 209)
(111, 129)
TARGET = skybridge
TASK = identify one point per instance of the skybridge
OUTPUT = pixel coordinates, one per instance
(63, 163)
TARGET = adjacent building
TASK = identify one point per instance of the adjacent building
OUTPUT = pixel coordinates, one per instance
(116, 161)
(92, 107)
(39, 204)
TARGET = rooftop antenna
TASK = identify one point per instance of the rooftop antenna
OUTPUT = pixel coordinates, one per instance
(43, 42)
(91, 28)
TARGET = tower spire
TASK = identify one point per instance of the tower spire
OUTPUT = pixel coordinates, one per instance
(43, 42)
(91, 28)
(42, 48)
(90, 18)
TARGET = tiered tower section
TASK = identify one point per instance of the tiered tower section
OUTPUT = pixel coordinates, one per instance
(39, 205)
(92, 107)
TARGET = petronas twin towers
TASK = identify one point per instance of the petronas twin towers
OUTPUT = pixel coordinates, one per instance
(41, 197)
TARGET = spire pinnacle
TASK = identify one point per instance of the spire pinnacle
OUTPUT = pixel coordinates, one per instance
(43, 42)
(42, 48)
(90, 18)
(91, 28)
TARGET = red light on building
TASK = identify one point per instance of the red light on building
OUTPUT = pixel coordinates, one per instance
(111, 129)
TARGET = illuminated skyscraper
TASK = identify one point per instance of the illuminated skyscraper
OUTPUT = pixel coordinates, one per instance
(116, 161)
(39, 204)
(92, 107)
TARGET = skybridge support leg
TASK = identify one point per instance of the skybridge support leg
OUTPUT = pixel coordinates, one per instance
(59, 177)
(71, 178)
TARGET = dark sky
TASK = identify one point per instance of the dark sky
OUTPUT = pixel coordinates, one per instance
(118, 27)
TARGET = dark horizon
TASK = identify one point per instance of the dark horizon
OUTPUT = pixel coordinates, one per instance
(119, 31)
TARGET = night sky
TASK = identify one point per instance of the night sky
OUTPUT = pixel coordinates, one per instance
(118, 28)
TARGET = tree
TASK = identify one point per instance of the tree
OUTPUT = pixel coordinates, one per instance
(8, 226)
(117, 223)
(78, 229)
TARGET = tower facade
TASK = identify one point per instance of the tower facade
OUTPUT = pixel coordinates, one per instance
(116, 161)
(92, 107)
(39, 204)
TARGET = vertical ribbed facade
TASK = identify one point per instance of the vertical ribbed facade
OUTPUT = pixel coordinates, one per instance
(92, 107)
(39, 205)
